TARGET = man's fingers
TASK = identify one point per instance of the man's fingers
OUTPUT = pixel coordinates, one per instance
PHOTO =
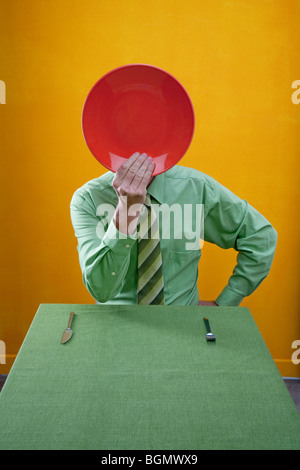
(134, 169)
(143, 176)
(130, 170)
(122, 171)
(149, 171)
(135, 173)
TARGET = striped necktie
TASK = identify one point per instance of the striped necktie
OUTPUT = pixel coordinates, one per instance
(150, 276)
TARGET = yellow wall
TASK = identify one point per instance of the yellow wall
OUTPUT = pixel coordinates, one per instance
(237, 59)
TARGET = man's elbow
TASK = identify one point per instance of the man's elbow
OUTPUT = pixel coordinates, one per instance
(268, 248)
(273, 237)
(99, 293)
(99, 288)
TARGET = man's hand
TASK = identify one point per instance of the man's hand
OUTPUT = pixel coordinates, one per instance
(207, 303)
(130, 183)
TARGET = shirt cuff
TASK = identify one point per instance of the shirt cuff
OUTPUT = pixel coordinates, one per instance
(229, 298)
(120, 243)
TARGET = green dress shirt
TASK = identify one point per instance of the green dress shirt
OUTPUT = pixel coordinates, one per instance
(108, 259)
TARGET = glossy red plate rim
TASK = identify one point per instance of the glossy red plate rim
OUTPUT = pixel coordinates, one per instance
(152, 67)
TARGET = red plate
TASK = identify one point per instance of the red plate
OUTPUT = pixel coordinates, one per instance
(138, 108)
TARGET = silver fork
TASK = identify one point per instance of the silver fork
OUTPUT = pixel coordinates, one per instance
(209, 336)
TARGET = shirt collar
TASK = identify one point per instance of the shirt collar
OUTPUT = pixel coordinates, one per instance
(157, 187)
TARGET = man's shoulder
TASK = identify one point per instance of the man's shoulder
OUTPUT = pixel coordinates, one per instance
(94, 189)
(179, 172)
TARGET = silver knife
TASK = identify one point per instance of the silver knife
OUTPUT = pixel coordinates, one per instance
(68, 332)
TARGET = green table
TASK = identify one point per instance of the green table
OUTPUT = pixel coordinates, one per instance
(134, 377)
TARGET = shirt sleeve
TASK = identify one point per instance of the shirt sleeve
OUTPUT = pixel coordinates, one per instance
(231, 222)
(104, 252)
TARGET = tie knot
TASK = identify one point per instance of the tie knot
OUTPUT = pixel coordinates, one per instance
(147, 200)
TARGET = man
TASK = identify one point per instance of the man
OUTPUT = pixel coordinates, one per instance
(107, 240)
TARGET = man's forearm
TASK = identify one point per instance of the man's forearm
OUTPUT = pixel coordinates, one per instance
(105, 269)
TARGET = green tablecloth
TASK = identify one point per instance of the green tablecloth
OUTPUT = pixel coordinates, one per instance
(135, 377)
